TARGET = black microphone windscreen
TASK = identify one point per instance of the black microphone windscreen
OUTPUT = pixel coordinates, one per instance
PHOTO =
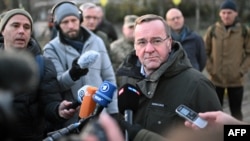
(128, 98)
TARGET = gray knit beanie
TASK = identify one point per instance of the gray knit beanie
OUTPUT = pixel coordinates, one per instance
(65, 9)
(5, 17)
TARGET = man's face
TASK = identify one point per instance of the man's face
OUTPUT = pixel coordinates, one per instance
(17, 32)
(99, 14)
(152, 45)
(90, 18)
(70, 27)
(228, 16)
(128, 32)
(175, 19)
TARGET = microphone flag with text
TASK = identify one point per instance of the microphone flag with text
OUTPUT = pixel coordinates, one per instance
(88, 104)
(128, 101)
(103, 96)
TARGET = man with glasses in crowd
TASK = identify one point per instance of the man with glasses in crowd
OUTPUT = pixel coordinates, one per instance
(192, 43)
(91, 20)
(160, 68)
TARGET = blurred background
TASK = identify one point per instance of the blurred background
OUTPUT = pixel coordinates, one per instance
(199, 14)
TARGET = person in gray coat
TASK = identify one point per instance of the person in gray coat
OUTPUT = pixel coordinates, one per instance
(72, 41)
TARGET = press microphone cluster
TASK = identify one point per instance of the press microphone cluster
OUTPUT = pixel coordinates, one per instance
(97, 101)
(93, 102)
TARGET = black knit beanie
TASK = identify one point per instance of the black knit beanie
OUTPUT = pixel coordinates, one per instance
(228, 4)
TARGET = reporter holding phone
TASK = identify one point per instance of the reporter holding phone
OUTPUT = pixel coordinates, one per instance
(216, 121)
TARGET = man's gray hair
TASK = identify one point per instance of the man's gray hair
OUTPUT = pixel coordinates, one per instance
(87, 5)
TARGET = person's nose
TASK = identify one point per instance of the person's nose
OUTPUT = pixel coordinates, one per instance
(149, 47)
(71, 24)
(21, 29)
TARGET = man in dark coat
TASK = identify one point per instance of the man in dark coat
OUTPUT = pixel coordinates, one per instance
(31, 106)
(160, 69)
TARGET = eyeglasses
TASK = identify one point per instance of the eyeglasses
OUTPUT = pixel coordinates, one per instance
(177, 18)
(154, 41)
(91, 17)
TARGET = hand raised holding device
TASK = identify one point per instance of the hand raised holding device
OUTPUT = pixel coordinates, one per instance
(191, 116)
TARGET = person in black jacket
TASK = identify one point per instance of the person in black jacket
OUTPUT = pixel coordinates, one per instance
(42, 101)
(160, 69)
(106, 26)
(191, 42)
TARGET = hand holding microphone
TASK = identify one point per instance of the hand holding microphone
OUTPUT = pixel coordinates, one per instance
(80, 64)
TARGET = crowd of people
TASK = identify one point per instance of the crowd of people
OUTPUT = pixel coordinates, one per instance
(161, 57)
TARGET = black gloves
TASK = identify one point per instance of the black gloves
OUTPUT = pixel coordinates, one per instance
(76, 72)
(131, 129)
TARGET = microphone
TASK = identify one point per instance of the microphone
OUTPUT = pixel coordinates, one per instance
(128, 100)
(88, 58)
(98, 99)
(88, 104)
(103, 96)
(87, 107)
(62, 132)
(80, 95)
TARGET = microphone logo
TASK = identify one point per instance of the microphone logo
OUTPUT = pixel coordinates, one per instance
(81, 93)
(105, 93)
(134, 90)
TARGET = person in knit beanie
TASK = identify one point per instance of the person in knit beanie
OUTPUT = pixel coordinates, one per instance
(228, 56)
(63, 10)
(73, 42)
(39, 101)
(6, 16)
(228, 4)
